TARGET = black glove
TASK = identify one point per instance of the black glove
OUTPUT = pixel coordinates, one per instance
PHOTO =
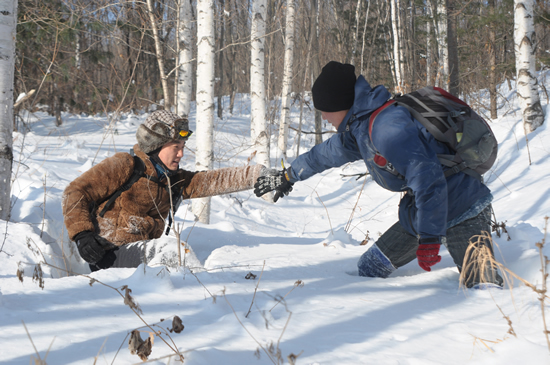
(91, 246)
(106, 262)
(271, 179)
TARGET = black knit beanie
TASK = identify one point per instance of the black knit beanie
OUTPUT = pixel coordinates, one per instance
(334, 89)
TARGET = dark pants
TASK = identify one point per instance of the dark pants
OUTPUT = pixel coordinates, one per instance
(397, 247)
(133, 254)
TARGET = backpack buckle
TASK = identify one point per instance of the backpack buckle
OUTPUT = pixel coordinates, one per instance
(380, 161)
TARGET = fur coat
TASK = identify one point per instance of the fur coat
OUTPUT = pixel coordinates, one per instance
(139, 213)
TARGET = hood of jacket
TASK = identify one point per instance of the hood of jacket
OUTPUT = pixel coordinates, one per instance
(367, 100)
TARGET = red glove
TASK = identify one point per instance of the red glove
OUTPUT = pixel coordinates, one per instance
(428, 255)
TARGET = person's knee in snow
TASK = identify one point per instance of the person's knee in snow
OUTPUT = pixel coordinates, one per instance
(373, 263)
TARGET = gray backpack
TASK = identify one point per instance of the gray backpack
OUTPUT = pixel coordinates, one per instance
(451, 121)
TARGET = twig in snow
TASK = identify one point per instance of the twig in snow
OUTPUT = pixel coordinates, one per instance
(247, 331)
(298, 283)
(39, 361)
(255, 290)
(354, 207)
(326, 211)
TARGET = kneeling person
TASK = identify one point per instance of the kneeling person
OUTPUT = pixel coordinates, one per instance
(103, 229)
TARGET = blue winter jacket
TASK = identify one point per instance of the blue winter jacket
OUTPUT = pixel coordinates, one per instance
(431, 200)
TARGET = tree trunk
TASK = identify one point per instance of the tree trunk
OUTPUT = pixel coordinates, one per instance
(185, 55)
(259, 131)
(316, 69)
(287, 78)
(205, 99)
(526, 81)
(8, 22)
(232, 57)
(160, 55)
(492, 54)
(429, 60)
(454, 87)
(356, 33)
(221, 74)
(364, 37)
(441, 32)
(396, 49)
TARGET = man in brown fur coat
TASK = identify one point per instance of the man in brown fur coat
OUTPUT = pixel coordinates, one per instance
(105, 237)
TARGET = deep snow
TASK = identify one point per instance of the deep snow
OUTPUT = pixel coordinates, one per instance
(298, 249)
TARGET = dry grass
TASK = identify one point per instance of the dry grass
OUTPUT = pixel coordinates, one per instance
(479, 262)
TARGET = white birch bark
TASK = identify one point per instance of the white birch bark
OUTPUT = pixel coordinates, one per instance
(401, 49)
(396, 57)
(356, 33)
(441, 31)
(259, 133)
(205, 99)
(159, 54)
(185, 69)
(287, 78)
(527, 84)
(429, 50)
(8, 22)
(77, 56)
(364, 35)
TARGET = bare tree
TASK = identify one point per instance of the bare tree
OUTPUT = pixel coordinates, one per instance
(259, 132)
(287, 77)
(492, 63)
(160, 55)
(185, 55)
(356, 33)
(527, 84)
(205, 99)
(429, 60)
(397, 56)
(441, 34)
(8, 22)
(452, 45)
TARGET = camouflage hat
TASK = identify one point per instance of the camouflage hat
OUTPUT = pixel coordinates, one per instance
(160, 128)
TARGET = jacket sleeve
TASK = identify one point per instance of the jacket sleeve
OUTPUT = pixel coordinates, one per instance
(90, 189)
(221, 181)
(334, 152)
(403, 144)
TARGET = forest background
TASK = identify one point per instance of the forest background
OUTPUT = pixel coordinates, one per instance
(99, 56)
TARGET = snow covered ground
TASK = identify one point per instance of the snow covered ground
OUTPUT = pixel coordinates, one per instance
(303, 249)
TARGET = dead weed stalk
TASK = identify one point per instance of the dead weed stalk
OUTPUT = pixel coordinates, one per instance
(271, 349)
(481, 256)
(129, 300)
(38, 360)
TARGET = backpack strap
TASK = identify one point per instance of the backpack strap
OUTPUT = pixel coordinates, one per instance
(139, 172)
(176, 201)
(444, 118)
(375, 114)
(380, 160)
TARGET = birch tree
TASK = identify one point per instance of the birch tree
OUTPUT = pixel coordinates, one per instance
(398, 68)
(8, 22)
(287, 77)
(159, 54)
(316, 67)
(364, 37)
(441, 34)
(185, 55)
(204, 99)
(356, 33)
(452, 47)
(492, 62)
(527, 84)
(429, 47)
(259, 135)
